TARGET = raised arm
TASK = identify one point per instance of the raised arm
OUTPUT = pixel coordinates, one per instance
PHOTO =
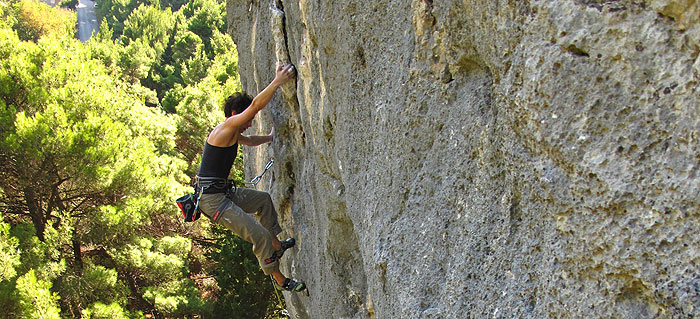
(283, 74)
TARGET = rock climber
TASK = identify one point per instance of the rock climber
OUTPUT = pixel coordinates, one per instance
(248, 213)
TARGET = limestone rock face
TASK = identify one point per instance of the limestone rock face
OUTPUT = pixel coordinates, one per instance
(482, 159)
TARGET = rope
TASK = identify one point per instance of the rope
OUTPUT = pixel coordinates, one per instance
(279, 300)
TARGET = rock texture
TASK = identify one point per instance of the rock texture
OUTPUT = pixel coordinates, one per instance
(483, 159)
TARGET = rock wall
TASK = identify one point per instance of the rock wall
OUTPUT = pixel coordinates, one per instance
(482, 159)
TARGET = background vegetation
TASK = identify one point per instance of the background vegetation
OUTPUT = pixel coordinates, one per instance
(97, 139)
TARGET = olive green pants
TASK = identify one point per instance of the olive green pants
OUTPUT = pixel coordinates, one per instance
(249, 214)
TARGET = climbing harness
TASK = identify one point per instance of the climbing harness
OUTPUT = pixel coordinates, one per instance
(189, 204)
(257, 179)
(214, 185)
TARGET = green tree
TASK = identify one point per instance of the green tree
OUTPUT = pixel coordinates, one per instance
(9, 253)
(225, 66)
(135, 60)
(92, 285)
(18, 78)
(91, 172)
(201, 110)
(87, 165)
(160, 265)
(205, 16)
(195, 68)
(99, 310)
(174, 5)
(172, 98)
(151, 25)
(40, 264)
(187, 45)
(165, 75)
(104, 49)
(36, 19)
(116, 12)
(176, 49)
(36, 299)
(68, 4)
(7, 16)
(244, 287)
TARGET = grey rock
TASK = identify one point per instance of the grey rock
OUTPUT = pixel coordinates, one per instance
(482, 159)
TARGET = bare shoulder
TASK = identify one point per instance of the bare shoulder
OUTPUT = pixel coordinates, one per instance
(223, 136)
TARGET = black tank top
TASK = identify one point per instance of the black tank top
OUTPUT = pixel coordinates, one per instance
(217, 161)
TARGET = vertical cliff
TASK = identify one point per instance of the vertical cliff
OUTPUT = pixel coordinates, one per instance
(483, 159)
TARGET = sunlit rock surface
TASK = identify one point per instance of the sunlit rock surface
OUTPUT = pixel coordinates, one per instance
(482, 159)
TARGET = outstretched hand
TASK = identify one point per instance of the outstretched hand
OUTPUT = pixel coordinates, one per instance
(284, 73)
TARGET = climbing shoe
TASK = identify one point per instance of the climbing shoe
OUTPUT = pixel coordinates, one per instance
(277, 255)
(292, 285)
(288, 243)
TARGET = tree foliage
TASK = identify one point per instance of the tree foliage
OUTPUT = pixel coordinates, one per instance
(77, 147)
(115, 12)
(68, 4)
(205, 18)
(9, 253)
(151, 25)
(96, 141)
(36, 19)
(36, 301)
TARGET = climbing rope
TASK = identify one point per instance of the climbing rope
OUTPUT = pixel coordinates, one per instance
(256, 179)
(279, 300)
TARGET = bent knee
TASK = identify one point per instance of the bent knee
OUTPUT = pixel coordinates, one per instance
(268, 197)
(260, 236)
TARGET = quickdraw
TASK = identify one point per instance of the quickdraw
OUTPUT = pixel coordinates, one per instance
(257, 179)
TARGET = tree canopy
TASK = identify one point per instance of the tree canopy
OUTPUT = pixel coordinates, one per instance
(97, 139)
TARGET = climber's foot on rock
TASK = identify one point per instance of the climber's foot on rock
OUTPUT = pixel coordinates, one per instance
(288, 243)
(292, 285)
(277, 255)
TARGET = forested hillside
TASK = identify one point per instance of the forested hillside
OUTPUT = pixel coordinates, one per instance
(97, 139)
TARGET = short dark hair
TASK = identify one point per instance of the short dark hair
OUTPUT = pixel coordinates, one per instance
(237, 103)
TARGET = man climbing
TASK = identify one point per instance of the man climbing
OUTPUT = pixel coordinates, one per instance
(235, 207)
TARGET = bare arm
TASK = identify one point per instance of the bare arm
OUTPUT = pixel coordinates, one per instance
(228, 132)
(284, 73)
(255, 140)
